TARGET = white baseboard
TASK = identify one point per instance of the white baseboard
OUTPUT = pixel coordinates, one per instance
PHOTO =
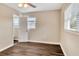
(57, 43)
(6, 47)
(23, 41)
(63, 50)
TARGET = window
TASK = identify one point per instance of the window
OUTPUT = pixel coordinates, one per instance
(71, 21)
(15, 21)
(31, 22)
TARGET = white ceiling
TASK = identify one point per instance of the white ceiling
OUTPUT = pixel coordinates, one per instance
(39, 7)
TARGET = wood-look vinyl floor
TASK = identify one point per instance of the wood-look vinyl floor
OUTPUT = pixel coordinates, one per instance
(33, 49)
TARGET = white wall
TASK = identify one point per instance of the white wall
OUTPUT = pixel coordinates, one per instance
(47, 28)
(6, 38)
(69, 39)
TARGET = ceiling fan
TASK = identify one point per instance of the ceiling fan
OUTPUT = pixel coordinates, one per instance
(25, 5)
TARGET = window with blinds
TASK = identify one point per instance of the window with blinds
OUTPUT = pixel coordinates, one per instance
(71, 16)
(15, 21)
(31, 22)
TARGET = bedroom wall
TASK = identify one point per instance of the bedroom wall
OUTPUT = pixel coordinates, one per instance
(47, 27)
(6, 38)
(69, 39)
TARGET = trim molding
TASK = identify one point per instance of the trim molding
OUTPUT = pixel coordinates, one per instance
(6, 47)
(23, 41)
(63, 49)
(57, 43)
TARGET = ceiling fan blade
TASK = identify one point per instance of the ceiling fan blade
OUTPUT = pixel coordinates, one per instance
(31, 5)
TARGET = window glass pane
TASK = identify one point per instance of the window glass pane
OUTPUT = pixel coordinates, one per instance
(73, 24)
(15, 21)
(31, 22)
(72, 17)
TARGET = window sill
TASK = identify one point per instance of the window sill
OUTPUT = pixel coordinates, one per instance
(72, 31)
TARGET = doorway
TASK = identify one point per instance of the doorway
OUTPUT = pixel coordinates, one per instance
(16, 28)
(20, 33)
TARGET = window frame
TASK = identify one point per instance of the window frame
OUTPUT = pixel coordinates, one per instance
(68, 14)
(16, 24)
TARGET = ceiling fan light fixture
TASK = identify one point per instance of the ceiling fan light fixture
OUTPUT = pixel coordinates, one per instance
(20, 5)
(25, 5)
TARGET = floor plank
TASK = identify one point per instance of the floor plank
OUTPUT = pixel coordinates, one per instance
(33, 49)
